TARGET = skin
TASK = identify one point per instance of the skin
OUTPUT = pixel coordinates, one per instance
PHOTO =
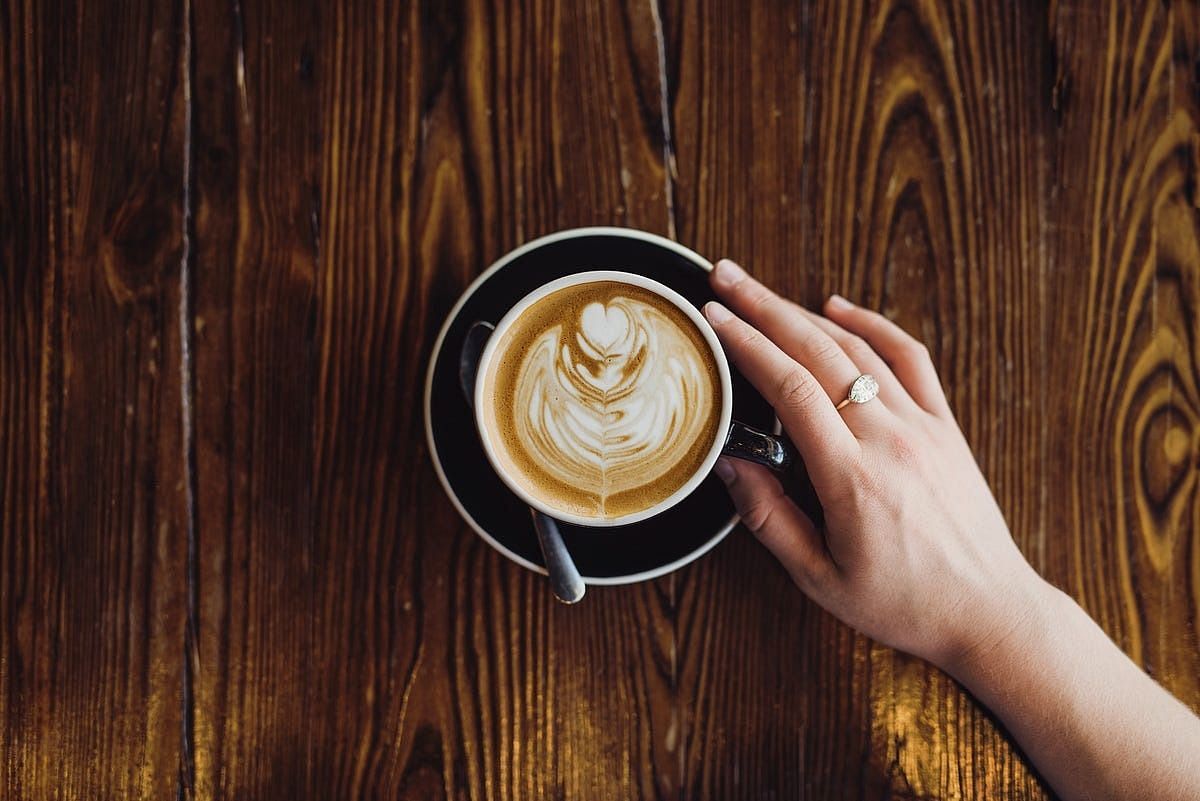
(916, 554)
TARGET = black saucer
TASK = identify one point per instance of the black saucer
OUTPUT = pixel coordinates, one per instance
(615, 555)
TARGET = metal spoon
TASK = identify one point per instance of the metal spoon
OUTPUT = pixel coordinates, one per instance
(565, 580)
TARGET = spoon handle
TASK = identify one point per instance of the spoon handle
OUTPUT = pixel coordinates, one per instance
(565, 580)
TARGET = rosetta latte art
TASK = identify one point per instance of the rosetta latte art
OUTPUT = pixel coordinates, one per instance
(614, 400)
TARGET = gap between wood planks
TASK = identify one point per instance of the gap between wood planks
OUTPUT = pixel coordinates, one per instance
(191, 655)
(664, 97)
(669, 175)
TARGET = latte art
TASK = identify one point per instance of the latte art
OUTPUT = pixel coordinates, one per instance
(613, 401)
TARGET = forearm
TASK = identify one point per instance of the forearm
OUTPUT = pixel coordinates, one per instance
(1092, 722)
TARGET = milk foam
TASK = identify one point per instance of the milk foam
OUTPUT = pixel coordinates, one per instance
(613, 398)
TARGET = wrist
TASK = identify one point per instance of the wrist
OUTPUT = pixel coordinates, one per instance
(1009, 624)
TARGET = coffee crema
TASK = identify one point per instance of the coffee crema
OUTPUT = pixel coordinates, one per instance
(604, 399)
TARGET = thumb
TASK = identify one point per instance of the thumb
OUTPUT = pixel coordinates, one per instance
(778, 523)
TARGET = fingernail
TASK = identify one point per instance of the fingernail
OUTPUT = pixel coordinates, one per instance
(728, 273)
(716, 313)
(838, 302)
(725, 471)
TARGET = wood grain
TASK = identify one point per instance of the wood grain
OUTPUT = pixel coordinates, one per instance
(229, 233)
(92, 478)
(256, 239)
(1130, 237)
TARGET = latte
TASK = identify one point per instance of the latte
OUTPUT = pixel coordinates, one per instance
(602, 399)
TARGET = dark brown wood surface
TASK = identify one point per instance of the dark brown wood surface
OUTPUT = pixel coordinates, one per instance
(229, 233)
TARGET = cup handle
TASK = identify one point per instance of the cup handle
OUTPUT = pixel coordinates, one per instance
(760, 447)
(468, 359)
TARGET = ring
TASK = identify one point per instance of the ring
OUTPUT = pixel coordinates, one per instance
(864, 388)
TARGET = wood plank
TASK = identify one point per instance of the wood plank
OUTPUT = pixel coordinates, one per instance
(772, 692)
(1124, 246)
(256, 146)
(453, 132)
(93, 506)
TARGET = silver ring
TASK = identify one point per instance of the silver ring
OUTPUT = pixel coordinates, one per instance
(864, 389)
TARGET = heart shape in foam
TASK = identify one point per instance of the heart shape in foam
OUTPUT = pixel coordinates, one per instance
(603, 326)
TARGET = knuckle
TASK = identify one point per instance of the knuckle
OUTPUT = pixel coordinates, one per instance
(887, 330)
(878, 322)
(857, 349)
(917, 350)
(759, 298)
(796, 390)
(902, 447)
(853, 481)
(756, 513)
(823, 350)
(747, 336)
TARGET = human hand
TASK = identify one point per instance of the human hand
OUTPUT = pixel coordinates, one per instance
(915, 552)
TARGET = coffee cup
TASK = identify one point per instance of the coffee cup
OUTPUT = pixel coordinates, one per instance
(604, 398)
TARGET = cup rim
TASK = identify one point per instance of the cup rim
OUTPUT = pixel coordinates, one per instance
(693, 314)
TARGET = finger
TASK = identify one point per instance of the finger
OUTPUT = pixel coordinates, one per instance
(795, 335)
(778, 523)
(818, 430)
(908, 357)
(867, 360)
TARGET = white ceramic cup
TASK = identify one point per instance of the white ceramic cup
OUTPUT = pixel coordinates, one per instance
(732, 438)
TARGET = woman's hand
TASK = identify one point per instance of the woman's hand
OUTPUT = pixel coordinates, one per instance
(915, 552)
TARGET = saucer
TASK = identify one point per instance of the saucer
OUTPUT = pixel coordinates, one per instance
(616, 555)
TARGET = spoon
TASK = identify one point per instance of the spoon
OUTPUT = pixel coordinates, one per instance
(565, 580)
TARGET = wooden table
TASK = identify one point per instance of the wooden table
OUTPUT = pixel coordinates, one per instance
(229, 232)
